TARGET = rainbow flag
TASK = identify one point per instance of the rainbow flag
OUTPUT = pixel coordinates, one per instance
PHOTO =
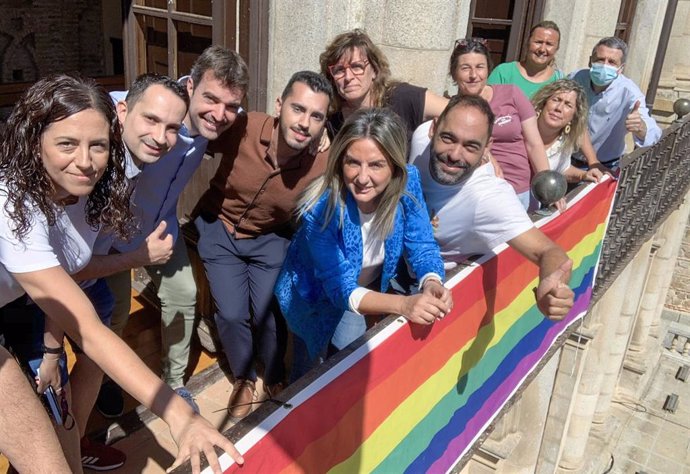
(415, 399)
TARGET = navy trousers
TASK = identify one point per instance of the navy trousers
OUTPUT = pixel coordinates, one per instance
(241, 274)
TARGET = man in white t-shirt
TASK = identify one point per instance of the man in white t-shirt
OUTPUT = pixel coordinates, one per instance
(472, 210)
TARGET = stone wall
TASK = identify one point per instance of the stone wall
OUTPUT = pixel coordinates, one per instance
(678, 296)
(582, 24)
(675, 75)
(38, 37)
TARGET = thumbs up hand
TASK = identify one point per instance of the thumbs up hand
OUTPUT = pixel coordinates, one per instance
(554, 298)
(634, 122)
(157, 248)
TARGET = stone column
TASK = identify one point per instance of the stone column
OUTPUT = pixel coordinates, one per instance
(670, 238)
(534, 405)
(638, 268)
(568, 375)
(602, 325)
(675, 235)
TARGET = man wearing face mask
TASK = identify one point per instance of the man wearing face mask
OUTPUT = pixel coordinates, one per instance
(616, 104)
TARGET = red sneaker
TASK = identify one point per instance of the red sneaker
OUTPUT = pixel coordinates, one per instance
(99, 457)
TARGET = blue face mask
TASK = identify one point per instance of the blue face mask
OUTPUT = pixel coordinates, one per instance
(602, 74)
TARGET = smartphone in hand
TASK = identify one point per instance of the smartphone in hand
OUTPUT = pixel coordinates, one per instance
(53, 403)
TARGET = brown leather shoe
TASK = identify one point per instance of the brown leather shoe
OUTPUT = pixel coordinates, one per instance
(269, 392)
(242, 398)
(275, 389)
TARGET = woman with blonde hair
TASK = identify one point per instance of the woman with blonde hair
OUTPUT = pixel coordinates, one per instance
(359, 72)
(561, 109)
(356, 222)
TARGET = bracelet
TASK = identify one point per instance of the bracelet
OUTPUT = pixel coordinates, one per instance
(51, 358)
(53, 350)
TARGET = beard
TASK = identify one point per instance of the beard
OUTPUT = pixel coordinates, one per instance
(464, 170)
(292, 142)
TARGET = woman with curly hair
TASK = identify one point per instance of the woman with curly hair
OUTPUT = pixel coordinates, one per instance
(562, 122)
(61, 181)
(359, 72)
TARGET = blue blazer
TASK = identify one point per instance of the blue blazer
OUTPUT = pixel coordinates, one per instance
(322, 265)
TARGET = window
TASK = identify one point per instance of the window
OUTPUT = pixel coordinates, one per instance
(166, 36)
(505, 24)
(626, 14)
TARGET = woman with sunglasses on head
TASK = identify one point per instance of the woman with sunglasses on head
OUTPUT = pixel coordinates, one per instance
(61, 180)
(538, 67)
(359, 72)
(516, 144)
(356, 222)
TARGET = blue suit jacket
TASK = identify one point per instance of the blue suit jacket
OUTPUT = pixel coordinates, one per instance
(322, 265)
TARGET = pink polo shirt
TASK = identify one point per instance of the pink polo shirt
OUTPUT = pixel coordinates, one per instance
(511, 107)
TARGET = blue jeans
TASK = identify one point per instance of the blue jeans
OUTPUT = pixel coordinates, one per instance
(23, 323)
(351, 327)
(301, 362)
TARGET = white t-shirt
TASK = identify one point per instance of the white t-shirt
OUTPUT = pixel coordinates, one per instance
(474, 216)
(373, 251)
(67, 243)
(559, 156)
(373, 254)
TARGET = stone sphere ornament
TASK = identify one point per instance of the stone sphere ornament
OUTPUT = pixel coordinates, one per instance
(681, 107)
(548, 187)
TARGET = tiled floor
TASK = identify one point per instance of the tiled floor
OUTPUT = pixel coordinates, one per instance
(150, 450)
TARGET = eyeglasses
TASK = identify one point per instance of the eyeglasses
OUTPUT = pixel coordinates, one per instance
(357, 68)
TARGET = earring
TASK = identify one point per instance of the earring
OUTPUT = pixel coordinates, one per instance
(566, 130)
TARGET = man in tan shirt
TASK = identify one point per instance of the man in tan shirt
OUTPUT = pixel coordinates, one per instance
(244, 226)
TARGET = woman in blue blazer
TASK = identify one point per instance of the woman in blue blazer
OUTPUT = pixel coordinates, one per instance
(356, 222)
